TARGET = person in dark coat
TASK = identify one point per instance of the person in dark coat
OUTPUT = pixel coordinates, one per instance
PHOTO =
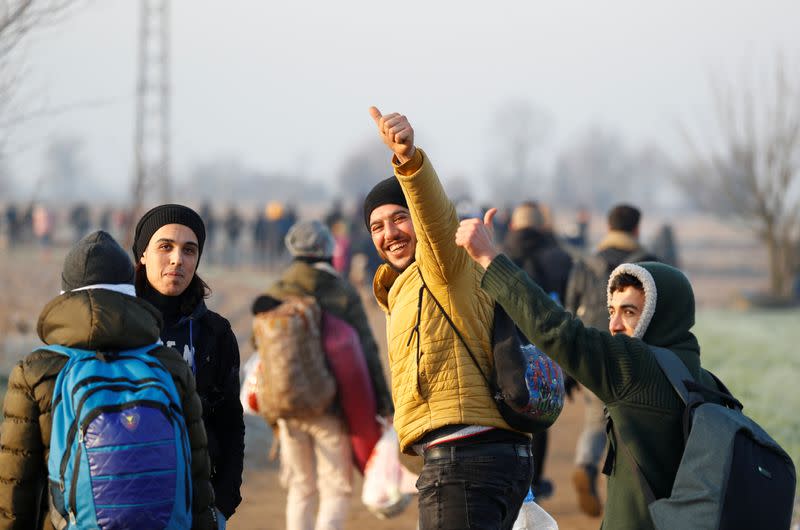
(532, 246)
(311, 273)
(168, 243)
(97, 310)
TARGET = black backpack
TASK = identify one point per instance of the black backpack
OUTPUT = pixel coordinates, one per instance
(732, 475)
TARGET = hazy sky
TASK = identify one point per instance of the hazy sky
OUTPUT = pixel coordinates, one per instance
(286, 85)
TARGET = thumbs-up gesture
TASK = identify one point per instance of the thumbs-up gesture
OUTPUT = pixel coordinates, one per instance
(477, 237)
(396, 133)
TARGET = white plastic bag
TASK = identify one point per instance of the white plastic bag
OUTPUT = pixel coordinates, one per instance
(532, 516)
(248, 393)
(385, 479)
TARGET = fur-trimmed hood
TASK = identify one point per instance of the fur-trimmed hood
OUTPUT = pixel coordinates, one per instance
(668, 296)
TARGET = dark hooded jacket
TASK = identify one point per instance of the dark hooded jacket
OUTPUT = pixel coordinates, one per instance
(539, 254)
(95, 319)
(621, 371)
(216, 370)
(335, 295)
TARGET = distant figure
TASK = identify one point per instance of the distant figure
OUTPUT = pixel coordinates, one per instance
(276, 230)
(315, 452)
(80, 221)
(13, 228)
(207, 214)
(580, 238)
(233, 229)
(260, 236)
(105, 219)
(343, 251)
(42, 222)
(665, 246)
(587, 299)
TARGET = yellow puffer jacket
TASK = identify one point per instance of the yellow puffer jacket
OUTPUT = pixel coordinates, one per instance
(434, 380)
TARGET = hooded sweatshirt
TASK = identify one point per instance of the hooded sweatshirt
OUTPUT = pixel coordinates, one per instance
(96, 319)
(622, 371)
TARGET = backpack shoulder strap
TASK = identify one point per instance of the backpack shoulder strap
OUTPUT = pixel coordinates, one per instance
(452, 325)
(675, 370)
(597, 265)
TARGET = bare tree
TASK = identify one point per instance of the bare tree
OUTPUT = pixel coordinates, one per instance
(18, 18)
(518, 131)
(749, 167)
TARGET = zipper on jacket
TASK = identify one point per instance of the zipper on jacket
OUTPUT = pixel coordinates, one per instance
(73, 488)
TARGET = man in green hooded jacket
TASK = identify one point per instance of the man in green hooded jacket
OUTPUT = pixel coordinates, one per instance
(649, 304)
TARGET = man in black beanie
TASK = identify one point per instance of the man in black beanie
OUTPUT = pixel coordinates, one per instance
(97, 310)
(444, 410)
(168, 243)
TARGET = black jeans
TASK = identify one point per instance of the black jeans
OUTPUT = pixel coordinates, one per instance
(473, 486)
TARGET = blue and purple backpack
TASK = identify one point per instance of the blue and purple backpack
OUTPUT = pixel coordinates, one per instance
(119, 449)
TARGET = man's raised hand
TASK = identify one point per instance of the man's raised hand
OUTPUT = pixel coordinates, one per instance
(396, 133)
(476, 236)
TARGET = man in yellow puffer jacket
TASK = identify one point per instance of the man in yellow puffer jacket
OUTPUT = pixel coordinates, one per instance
(476, 468)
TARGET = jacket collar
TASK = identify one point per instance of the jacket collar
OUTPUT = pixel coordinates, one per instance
(619, 239)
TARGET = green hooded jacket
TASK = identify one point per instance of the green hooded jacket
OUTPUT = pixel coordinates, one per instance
(621, 371)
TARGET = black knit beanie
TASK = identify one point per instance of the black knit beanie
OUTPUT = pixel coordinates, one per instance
(167, 214)
(387, 191)
(96, 259)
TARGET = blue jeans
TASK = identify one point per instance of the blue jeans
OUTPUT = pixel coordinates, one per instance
(473, 486)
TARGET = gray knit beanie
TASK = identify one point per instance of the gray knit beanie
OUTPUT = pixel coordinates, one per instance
(310, 239)
(96, 259)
